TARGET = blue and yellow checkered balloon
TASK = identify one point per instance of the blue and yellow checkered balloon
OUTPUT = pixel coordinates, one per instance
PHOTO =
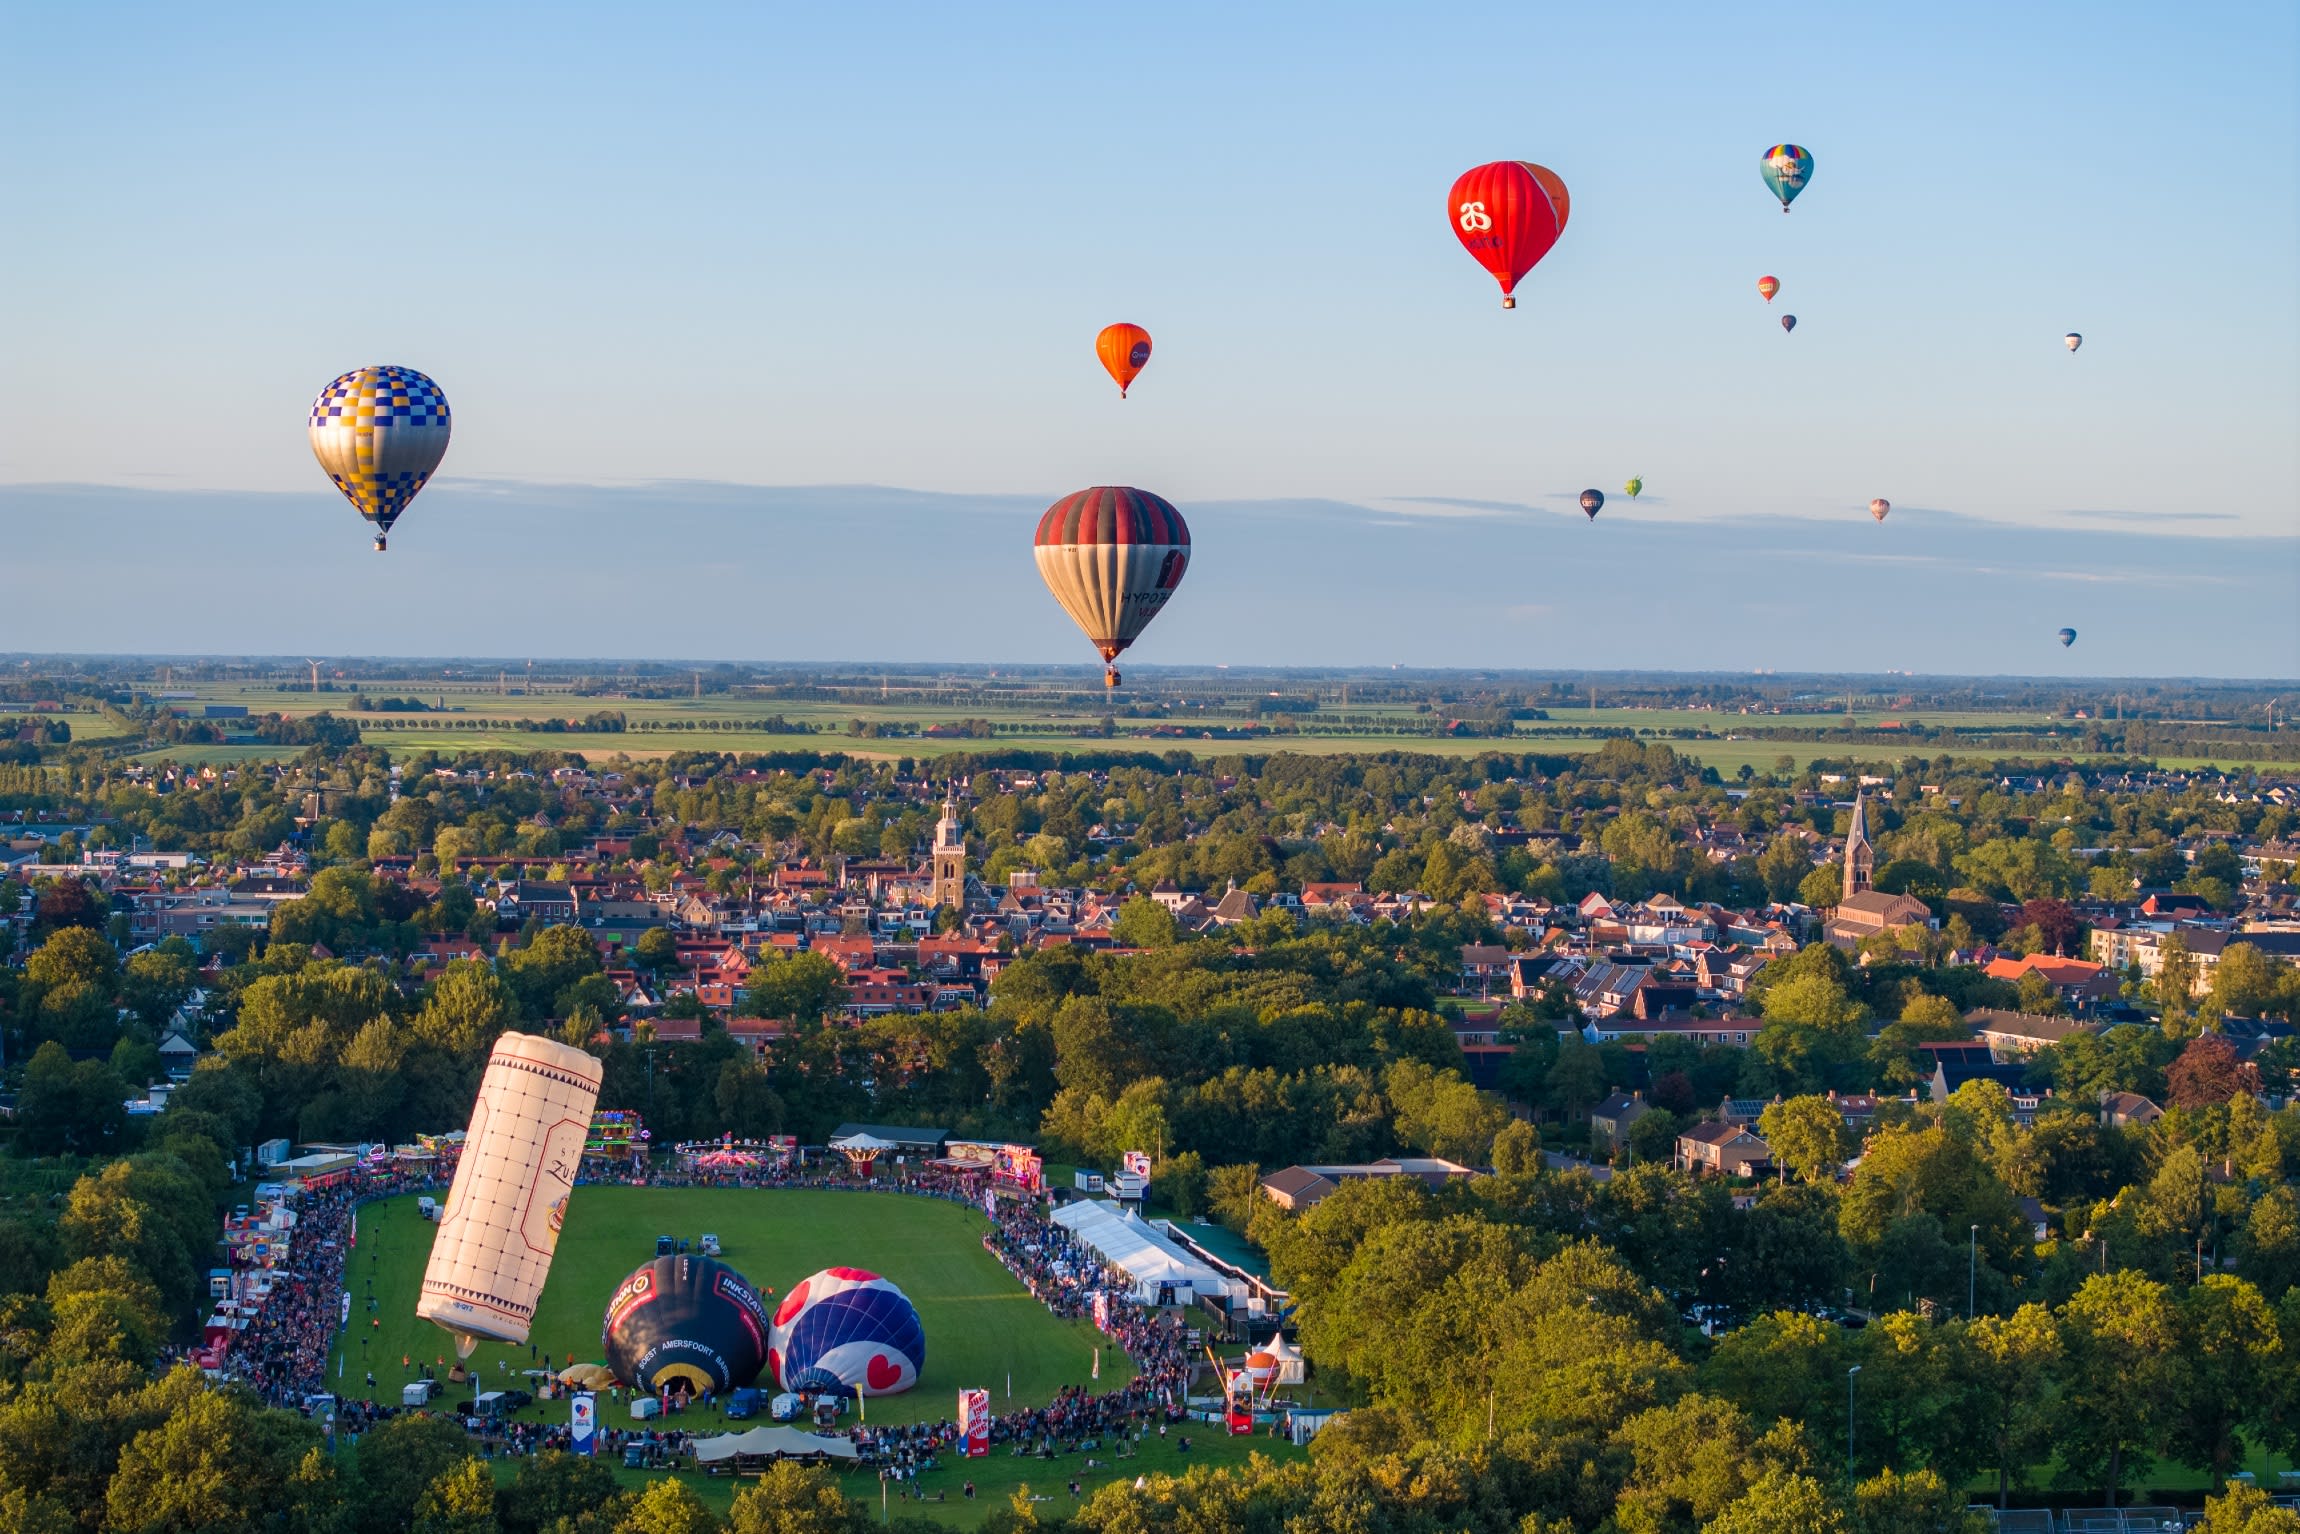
(380, 432)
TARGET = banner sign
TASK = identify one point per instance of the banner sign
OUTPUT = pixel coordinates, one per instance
(974, 1423)
(586, 1413)
(1101, 1311)
(1135, 1163)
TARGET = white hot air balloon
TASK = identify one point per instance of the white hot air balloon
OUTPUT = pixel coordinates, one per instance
(2072, 340)
(504, 1210)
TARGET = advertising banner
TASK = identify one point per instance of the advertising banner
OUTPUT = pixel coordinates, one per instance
(585, 1409)
(1101, 1311)
(974, 1423)
(1135, 1163)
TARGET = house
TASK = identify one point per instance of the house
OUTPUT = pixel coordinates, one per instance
(2021, 1033)
(2127, 1110)
(1612, 1117)
(1299, 1187)
(1864, 912)
(1723, 1150)
(2077, 982)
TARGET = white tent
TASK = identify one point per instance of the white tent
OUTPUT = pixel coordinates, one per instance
(778, 1442)
(1143, 1252)
(1289, 1357)
(862, 1142)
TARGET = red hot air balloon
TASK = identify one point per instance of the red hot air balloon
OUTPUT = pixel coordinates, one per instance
(1767, 287)
(1125, 351)
(1507, 215)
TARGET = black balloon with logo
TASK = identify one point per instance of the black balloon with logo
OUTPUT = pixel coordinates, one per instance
(686, 1324)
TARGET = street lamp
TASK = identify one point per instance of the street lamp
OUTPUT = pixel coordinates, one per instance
(1849, 1373)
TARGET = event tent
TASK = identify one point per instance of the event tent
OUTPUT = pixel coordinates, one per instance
(1151, 1259)
(771, 1443)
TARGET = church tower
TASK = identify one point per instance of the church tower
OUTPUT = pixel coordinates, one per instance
(950, 857)
(1860, 857)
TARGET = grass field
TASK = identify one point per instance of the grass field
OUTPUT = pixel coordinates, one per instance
(981, 1326)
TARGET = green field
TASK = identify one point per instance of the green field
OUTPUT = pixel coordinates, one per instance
(982, 1327)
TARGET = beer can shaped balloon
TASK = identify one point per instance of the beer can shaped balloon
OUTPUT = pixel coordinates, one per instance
(505, 1208)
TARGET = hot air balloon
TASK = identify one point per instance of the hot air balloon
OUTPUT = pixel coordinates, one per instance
(504, 1210)
(2067, 638)
(1507, 215)
(1786, 168)
(1879, 508)
(2072, 340)
(686, 1324)
(1632, 487)
(380, 433)
(1124, 350)
(1767, 287)
(1788, 322)
(1112, 556)
(853, 1325)
(1592, 501)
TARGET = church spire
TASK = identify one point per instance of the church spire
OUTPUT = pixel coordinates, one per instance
(1860, 857)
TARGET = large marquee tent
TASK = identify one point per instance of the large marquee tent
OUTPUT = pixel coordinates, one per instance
(1148, 1257)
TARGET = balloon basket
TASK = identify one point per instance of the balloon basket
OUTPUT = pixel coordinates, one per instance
(1508, 301)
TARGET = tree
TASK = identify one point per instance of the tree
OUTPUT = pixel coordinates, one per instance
(795, 1499)
(462, 1501)
(218, 1464)
(1144, 923)
(70, 1107)
(1516, 1150)
(399, 1459)
(2246, 1510)
(1784, 865)
(102, 1307)
(1653, 1137)
(2208, 1073)
(1178, 1183)
(551, 1486)
(2007, 1364)
(1807, 1135)
(1823, 887)
(1781, 1503)
(2121, 1336)
(1920, 1502)
(2230, 1355)
(801, 986)
(2058, 928)
(667, 1507)
(1440, 1114)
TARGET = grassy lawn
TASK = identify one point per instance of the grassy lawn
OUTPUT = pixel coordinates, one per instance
(981, 1325)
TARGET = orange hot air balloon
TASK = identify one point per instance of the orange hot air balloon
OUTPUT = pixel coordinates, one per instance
(1768, 286)
(1125, 351)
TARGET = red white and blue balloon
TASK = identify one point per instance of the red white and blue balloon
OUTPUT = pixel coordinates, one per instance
(853, 1325)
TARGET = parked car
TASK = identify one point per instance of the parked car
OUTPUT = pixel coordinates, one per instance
(710, 1244)
(664, 1246)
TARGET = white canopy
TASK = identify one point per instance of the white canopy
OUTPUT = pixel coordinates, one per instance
(1145, 1253)
(782, 1442)
(862, 1142)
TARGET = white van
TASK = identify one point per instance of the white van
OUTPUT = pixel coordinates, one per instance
(427, 1207)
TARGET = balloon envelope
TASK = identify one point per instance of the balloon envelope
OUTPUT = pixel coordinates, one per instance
(2067, 638)
(1767, 287)
(686, 1323)
(1507, 215)
(2072, 340)
(1124, 350)
(1630, 489)
(380, 432)
(1112, 556)
(853, 1324)
(505, 1208)
(1592, 501)
(1788, 322)
(1879, 507)
(1786, 169)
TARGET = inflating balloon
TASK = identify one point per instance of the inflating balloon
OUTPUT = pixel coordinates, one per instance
(504, 1210)
(1788, 322)
(854, 1326)
(2067, 638)
(380, 432)
(1632, 488)
(1112, 556)
(1507, 215)
(2072, 340)
(1879, 508)
(1124, 350)
(686, 1324)
(1786, 168)
(1592, 501)
(1767, 287)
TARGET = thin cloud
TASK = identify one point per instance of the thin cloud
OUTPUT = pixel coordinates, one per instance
(2145, 517)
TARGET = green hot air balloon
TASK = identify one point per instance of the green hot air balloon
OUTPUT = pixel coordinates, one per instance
(1786, 169)
(2067, 638)
(1633, 487)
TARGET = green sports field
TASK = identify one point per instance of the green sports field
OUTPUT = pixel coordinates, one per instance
(981, 1325)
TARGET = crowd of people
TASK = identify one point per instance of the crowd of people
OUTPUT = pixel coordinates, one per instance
(282, 1352)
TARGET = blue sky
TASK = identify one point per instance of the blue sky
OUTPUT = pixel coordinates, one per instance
(779, 247)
